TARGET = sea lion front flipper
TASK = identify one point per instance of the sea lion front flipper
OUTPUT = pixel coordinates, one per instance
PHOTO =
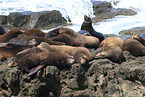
(32, 71)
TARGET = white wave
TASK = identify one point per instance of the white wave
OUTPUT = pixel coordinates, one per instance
(74, 9)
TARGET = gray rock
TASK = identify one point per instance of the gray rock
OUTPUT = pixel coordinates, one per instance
(135, 30)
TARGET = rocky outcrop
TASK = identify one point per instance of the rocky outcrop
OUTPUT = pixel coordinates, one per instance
(136, 30)
(98, 78)
(104, 10)
(27, 20)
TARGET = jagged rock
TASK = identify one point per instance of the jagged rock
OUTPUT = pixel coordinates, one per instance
(26, 20)
(99, 78)
(136, 30)
(104, 10)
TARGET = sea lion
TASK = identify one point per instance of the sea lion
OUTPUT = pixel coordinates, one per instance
(52, 33)
(38, 39)
(19, 55)
(134, 47)
(31, 63)
(81, 54)
(34, 32)
(65, 38)
(87, 25)
(13, 33)
(2, 30)
(80, 40)
(23, 43)
(139, 38)
(9, 52)
(112, 49)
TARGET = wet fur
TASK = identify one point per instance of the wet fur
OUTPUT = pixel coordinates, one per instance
(73, 51)
(13, 33)
(134, 47)
(112, 49)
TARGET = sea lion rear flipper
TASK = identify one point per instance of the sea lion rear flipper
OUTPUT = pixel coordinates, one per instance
(3, 44)
(32, 71)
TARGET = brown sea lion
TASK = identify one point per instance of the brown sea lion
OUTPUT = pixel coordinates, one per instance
(80, 40)
(65, 38)
(32, 62)
(81, 54)
(22, 53)
(112, 49)
(13, 33)
(9, 52)
(134, 47)
(139, 38)
(34, 32)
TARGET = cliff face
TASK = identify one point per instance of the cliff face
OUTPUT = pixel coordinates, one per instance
(97, 78)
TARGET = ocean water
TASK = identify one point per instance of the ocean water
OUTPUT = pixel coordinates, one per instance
(75, 10)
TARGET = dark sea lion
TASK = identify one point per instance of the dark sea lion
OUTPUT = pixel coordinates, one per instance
(87, 25)
(52, 33)
(34, 32)
(139, 38)
(80, 40)
(38, 39)
(23, 43)
(13, 33)
(134, 47)
(112, 49)
(81, 54)
(22, 53)
(31, 63)
(65, 38)
(2, 30)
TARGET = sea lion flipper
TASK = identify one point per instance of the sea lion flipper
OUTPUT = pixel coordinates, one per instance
(32, 71)
(3, 44)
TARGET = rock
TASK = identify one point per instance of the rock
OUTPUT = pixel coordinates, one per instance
(98, 78)
(101, 6)
(26, 20)
(136, 30)
(104, 10)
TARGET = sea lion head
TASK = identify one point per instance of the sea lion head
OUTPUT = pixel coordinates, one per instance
(44, 45)
(113, 54)
(32, 42)
(87, 19)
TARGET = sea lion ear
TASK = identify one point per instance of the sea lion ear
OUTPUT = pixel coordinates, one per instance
(34, 70)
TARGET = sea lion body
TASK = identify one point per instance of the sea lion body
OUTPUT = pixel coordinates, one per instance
(13, 33)
(43, 59)
(9, 52)
(112, 49)
(38, 39)
(134, 47)
(87, 25)
(79, 40)
(73, 51)
(34, 32)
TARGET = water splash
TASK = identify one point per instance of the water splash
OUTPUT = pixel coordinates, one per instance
(74, 9)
